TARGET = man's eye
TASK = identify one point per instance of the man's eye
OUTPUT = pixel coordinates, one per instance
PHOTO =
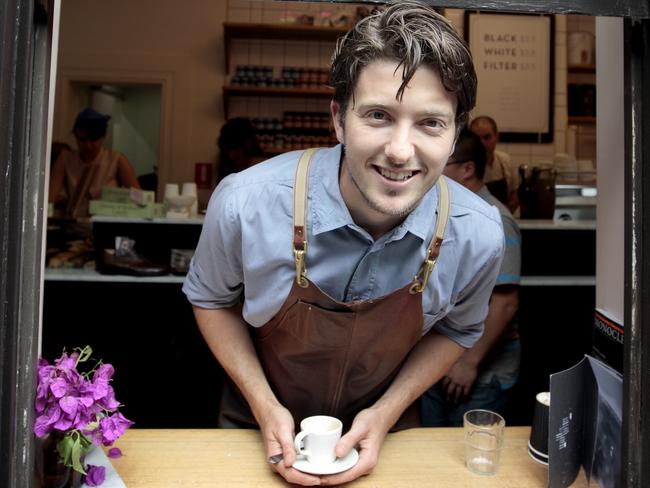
(377, 115)
(433, 123)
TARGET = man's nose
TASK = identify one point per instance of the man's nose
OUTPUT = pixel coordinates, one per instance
(399, 148)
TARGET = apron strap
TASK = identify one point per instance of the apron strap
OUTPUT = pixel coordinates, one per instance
(422, 278)
(300, 233)
(299, 215)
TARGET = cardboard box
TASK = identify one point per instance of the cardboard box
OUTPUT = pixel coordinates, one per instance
(117, 209)
(128, 195)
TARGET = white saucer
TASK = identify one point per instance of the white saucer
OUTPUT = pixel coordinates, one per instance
(338, 466)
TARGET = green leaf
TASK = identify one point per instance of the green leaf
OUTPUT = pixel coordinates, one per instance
(85, 443)
(64, 447)
(84, 354)
(77, 451)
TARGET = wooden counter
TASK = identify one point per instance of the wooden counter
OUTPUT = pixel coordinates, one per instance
(235, 458)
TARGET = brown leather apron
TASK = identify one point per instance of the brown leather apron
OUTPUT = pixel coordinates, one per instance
(323, 356)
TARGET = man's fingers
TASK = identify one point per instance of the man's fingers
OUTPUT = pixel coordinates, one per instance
(364, 466)
(292, 475)
(288, 450)
(345, 444)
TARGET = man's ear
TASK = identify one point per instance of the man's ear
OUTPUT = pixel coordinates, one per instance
(469, 171)
(335, 110)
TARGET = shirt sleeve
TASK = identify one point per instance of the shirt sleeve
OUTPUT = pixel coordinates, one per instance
(215, 277)
(510, 272)
(464, 322)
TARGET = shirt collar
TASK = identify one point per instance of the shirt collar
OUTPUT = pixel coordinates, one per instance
(326, 206)
(328, 211)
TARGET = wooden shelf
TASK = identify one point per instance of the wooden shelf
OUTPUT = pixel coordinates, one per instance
(582, 119)
(254, 91)
(285, 32)
(582, 68)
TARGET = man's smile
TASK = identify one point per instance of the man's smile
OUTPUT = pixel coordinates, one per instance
(394, 175)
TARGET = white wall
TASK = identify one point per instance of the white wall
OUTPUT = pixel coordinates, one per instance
(139, 127)
(610, 234)
(175, 44)
(180, 46)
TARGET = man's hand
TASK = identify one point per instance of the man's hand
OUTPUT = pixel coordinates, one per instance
(276, 426)
(459, 380)
(367, 433)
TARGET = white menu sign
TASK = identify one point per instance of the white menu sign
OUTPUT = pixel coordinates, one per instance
(512, 61)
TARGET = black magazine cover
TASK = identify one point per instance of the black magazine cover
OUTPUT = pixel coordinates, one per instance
(585, 425)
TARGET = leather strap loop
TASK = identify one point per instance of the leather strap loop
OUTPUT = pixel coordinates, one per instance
(299, 215)
(422, 277)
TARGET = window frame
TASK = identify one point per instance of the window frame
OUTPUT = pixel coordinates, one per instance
(26, 44)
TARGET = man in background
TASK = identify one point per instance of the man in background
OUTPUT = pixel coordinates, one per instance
(501, 174)
(481, 377)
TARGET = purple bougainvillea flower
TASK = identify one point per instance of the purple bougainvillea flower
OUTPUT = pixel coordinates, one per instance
(109, 401)
(95, 436)
(64, 423)
(113, 427)
(105, 371)
(45, 422)
(114, 453)
(59, 387)
(68, 401)
(99, 388)
(69, 405)
(95, 475)
(67, 362)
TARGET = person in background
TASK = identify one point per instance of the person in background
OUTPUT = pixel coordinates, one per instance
(238, 147)
(366, 299)
(57, 149)
(79, 176)
(501, 174)
(483, 374)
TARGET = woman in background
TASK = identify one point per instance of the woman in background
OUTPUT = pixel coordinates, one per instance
(238, 147)
(79, 176)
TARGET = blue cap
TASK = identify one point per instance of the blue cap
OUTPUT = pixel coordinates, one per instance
(90, 115)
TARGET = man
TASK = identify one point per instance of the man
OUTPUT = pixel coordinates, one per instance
(501, 174)
(483, 374)
(320, 261)
(79, 176)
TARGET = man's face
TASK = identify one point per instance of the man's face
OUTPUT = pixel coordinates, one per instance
(394, 150)
(488, 137)
(88, 149)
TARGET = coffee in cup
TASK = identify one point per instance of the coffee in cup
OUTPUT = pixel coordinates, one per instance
(317, 439)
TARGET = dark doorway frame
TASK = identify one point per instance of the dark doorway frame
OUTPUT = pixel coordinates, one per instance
(25, 49)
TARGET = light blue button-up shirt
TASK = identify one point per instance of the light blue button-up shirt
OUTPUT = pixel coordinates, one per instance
(246, 247)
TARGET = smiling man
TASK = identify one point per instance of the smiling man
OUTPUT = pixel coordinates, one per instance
(345, 281)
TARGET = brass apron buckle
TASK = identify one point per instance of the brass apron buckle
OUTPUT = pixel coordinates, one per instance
(424, 273)
(301, 269)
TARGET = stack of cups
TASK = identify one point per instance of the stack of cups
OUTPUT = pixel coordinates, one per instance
(538, 443)
(189, 189)
(171, 190)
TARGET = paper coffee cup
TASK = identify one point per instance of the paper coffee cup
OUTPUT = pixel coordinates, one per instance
(538, 442)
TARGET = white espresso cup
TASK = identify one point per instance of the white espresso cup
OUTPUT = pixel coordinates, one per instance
(317, 438)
